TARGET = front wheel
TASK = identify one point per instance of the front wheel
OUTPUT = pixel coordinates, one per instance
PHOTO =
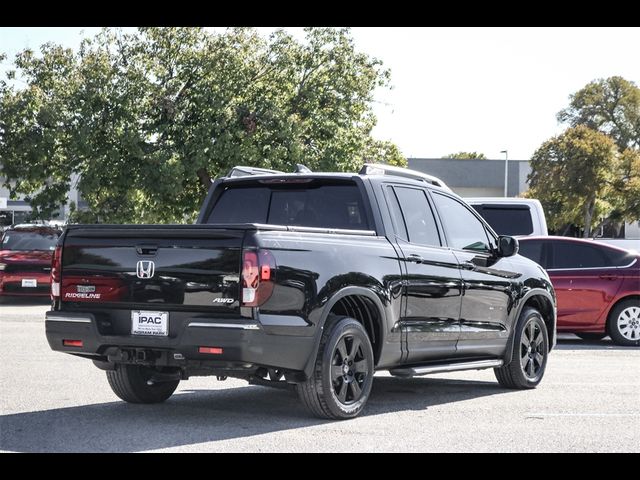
(624, 323)
(343, 373)
(529, 355)
(132, 384)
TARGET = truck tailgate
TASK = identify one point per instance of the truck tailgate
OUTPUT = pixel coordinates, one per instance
(152, 267)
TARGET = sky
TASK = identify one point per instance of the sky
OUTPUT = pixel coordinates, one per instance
(457, 89)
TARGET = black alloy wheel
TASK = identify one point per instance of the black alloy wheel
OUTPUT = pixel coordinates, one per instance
(528, 361)
(349, 370)
(532, 350)
(342, 377)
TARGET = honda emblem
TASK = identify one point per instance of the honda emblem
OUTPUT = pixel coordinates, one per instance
(145, 269)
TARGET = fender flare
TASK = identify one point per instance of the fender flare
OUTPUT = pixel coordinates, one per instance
(536, 292)
(324, 315)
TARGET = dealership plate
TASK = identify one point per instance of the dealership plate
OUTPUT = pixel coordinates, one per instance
(29, 282)
(144, 322)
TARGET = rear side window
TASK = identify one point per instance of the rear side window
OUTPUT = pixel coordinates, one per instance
(618, 258)
(322, 206)
(398, 220)
(418, 217)
(532, 250)
(507, 219)
(568, 255)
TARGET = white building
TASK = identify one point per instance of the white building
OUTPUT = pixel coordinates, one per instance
(19, 210)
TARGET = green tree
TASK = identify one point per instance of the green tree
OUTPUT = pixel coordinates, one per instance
(573, 176)
(378, 151)
(145, 120)
(626, 186)
(467, 156)
(610, 105)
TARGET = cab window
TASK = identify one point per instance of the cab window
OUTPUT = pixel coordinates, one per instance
(464, 230)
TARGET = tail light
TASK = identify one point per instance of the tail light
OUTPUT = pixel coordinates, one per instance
(56, 273)
(258, 277)
(210, 350)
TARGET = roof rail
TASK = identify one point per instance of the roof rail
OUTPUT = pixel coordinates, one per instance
(382, 169)
(241, 171)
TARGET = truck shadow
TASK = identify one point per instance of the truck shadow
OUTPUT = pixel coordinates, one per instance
(197, 416)
(567, 342)
(24, 301)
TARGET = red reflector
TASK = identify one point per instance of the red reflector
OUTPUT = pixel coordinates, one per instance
(265, 272)
(72, 343)
(211, 350)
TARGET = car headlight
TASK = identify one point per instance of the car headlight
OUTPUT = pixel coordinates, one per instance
(2, 265)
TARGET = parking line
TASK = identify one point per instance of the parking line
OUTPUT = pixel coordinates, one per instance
(542, 415)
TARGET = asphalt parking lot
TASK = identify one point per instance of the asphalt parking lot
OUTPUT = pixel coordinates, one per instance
(589, 401)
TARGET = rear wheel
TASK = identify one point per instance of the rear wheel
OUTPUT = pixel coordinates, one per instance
(529, 355)
(343, 374)
(132, 384)
(591, 335)
(624, 323)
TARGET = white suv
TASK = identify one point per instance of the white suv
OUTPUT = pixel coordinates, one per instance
(511, 216)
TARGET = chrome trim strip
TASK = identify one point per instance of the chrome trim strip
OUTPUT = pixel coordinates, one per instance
(591, 268)
(240, 326)
(282, 321)
(68, 319)
(452, 367)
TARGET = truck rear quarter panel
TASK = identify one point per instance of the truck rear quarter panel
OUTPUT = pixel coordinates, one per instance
(307, 284)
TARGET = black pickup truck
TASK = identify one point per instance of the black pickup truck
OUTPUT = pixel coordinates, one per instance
(315, 280)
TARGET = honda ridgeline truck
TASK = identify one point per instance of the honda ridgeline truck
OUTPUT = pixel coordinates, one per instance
(314, 280)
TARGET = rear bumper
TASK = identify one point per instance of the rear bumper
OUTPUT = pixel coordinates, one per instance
(244, 344)
(11, 284)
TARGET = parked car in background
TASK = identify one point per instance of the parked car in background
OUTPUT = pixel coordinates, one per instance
(25, 259)
(628, 238)
(597, 286)
(511, 216)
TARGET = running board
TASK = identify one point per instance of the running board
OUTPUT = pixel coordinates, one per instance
(449, 367)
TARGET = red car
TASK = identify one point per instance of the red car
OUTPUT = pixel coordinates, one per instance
(597, 286)
(25, 260)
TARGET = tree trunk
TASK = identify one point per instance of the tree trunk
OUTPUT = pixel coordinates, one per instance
(589, 207)
(567, 226)
(205, 178)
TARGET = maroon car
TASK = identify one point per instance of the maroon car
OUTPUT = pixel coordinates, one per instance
(597, 286)
(25, 260)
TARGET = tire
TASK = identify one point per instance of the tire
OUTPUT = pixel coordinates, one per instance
(129, 382)
(342, 377)
(591, 335)
(623, 323)
(529, 356)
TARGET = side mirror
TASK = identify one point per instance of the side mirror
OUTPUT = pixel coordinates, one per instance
(507, 246)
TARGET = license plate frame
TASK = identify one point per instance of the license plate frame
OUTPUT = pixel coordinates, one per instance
(150, 323)
(29, 283)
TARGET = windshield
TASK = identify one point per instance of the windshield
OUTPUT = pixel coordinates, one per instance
(14, 240)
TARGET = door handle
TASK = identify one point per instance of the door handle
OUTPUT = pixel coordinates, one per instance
(608, 276)
(468, 266)
(146, 249)
(414, 258)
